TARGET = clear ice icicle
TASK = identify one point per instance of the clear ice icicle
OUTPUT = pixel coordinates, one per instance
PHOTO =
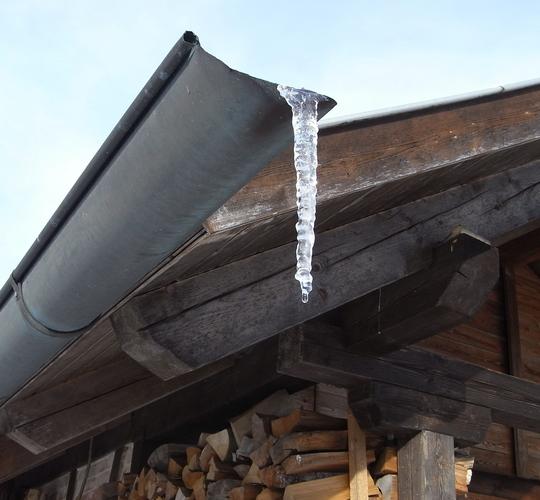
(304, 120)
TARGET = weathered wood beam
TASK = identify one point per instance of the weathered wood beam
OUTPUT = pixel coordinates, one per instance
(464, 270)
(390, 409)
(314, 352)
(218, 313)
(426, 469)
(418, 153)
(521, 453)
(48, 432)
(249, 374)
(504, 486)
(88, 386)
(358, 465)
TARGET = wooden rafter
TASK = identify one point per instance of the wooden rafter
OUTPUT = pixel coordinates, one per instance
(235, 306)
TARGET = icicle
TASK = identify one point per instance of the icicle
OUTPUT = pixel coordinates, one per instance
(304, 110)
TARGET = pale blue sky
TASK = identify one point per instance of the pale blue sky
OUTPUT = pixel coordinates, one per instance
(69, 69)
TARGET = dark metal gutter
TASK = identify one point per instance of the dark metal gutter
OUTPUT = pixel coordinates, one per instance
(196, 133)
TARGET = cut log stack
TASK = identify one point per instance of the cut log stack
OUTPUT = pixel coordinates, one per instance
(280, 449)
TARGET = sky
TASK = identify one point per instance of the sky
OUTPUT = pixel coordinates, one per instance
(69, 69)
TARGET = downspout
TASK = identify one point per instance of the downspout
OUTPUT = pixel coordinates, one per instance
(195, 134)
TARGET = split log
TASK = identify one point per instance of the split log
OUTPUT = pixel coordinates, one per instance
(331, 461)
(202, 439)
(174, 469)
(219, 470)
(336, 488)
(388, 486)
(302, 420)
(268, 494)
(280, 403)
(171, 490)
(242, 470)
(246, 492)
(253, 476)
(300, 442)
(275, 477)
(199, 489)
(246, 447)
(261, 427)
(206, 455)
(221, 489)
(33, 494)
(386, 462)
(191, 477)
(261, 456)
(192, 454)
(463, 472)
(221, 443)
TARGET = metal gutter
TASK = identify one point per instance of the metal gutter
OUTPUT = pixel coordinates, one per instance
(428, 105)
(196, 133)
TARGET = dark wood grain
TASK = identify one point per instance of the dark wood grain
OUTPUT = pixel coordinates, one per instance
(390, 409)
(361, 158)
(426, 468)
(313, 352)
(209, 317)
(428, 302)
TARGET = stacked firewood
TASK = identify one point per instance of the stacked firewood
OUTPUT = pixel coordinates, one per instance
(286, 447)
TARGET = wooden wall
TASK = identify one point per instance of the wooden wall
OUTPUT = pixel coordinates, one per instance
(527, 294)
(483, 341)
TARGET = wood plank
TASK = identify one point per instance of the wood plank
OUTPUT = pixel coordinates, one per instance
(233, 380)
(304, 420)
(82, 388)
(448, 293)
(313, 352)
(41, 435)
(300, 442)
(279, 404)
(325, 461)
(358, 472)
(391, 409)
(505, 487)
(394, 244)
(514, 360)
(250, 374)
(370, 154)
(336, 488)
(426, 467)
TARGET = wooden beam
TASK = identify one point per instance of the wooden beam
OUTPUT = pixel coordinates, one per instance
(92, 416)
(358, 471)
(390, 409)
(222, 309)
(250, 376)
(46, 433)
(504, 487)
(464, 270)
(87, 386)
(426, 468)
(313, 352)
(417, 153)
(521, 452)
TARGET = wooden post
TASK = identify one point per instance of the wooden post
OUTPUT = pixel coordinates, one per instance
(426, 467)
(515, 365)
(358, 473)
